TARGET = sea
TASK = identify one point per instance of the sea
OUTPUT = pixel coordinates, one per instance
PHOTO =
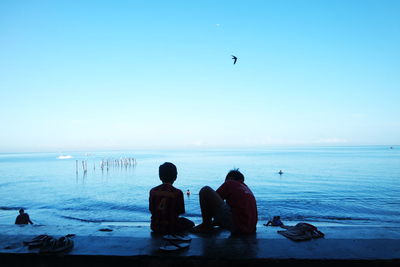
(346, 185)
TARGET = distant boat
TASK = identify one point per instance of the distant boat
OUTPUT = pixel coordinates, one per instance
(65, 157)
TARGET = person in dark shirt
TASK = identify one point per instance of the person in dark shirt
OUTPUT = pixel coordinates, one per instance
(238, 214)
(23, 218)
(166, 204)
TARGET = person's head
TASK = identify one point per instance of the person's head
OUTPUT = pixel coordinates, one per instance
(234, 174)
(167, 172)
(21, 211)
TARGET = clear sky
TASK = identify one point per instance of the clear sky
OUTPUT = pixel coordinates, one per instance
(159, 74)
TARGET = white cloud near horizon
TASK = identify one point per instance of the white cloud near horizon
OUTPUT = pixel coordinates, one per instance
(332, 140)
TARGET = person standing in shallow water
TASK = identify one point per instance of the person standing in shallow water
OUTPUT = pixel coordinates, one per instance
(239, 213)
(23, 218)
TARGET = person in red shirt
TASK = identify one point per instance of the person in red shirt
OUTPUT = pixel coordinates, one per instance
(238, 214)
(166, 204)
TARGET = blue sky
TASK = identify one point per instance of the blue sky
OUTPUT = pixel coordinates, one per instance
(158, 74)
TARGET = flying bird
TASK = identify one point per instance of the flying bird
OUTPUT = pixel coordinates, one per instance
(234, 59)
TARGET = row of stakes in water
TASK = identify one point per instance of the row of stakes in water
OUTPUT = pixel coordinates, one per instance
(106, 164)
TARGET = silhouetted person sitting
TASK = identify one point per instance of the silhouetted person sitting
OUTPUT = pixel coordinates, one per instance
(23, 218)
(238, 214)
(166, 204)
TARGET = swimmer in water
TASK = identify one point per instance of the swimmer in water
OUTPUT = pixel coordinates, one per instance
(280, 172)
(188, 192)
(23, 218)
(276, 221)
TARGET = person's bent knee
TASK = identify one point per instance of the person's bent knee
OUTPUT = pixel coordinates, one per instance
(205, 190)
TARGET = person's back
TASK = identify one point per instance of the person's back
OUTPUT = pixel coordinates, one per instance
(166, 203)
(242, 202)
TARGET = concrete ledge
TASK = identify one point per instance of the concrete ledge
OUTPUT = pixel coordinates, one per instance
(137, 246)
(29, 260)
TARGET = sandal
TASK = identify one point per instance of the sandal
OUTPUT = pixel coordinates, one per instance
(173, 246)
(54, 246)
(177, 237)
(48, 245)
(37, 241)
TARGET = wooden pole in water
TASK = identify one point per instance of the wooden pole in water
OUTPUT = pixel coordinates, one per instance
(84, 167)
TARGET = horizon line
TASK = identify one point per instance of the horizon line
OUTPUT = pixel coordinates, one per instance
(194, 148)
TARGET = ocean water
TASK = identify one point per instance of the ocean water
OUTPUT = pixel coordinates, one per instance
(320, 185)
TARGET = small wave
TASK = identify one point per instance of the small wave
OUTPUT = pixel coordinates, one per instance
(65, 157)
(11, 208)
(97, 221)
(324, 218)
(104, 205)
(344, 218)
(81, 220)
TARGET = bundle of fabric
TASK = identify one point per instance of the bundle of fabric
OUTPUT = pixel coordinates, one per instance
(301, 232)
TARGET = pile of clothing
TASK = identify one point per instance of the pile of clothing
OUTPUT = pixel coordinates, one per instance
(301, 232)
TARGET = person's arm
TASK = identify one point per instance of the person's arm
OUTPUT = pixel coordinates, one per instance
(181, 203)
(222, 190)
(29, 219)
(150, 204)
